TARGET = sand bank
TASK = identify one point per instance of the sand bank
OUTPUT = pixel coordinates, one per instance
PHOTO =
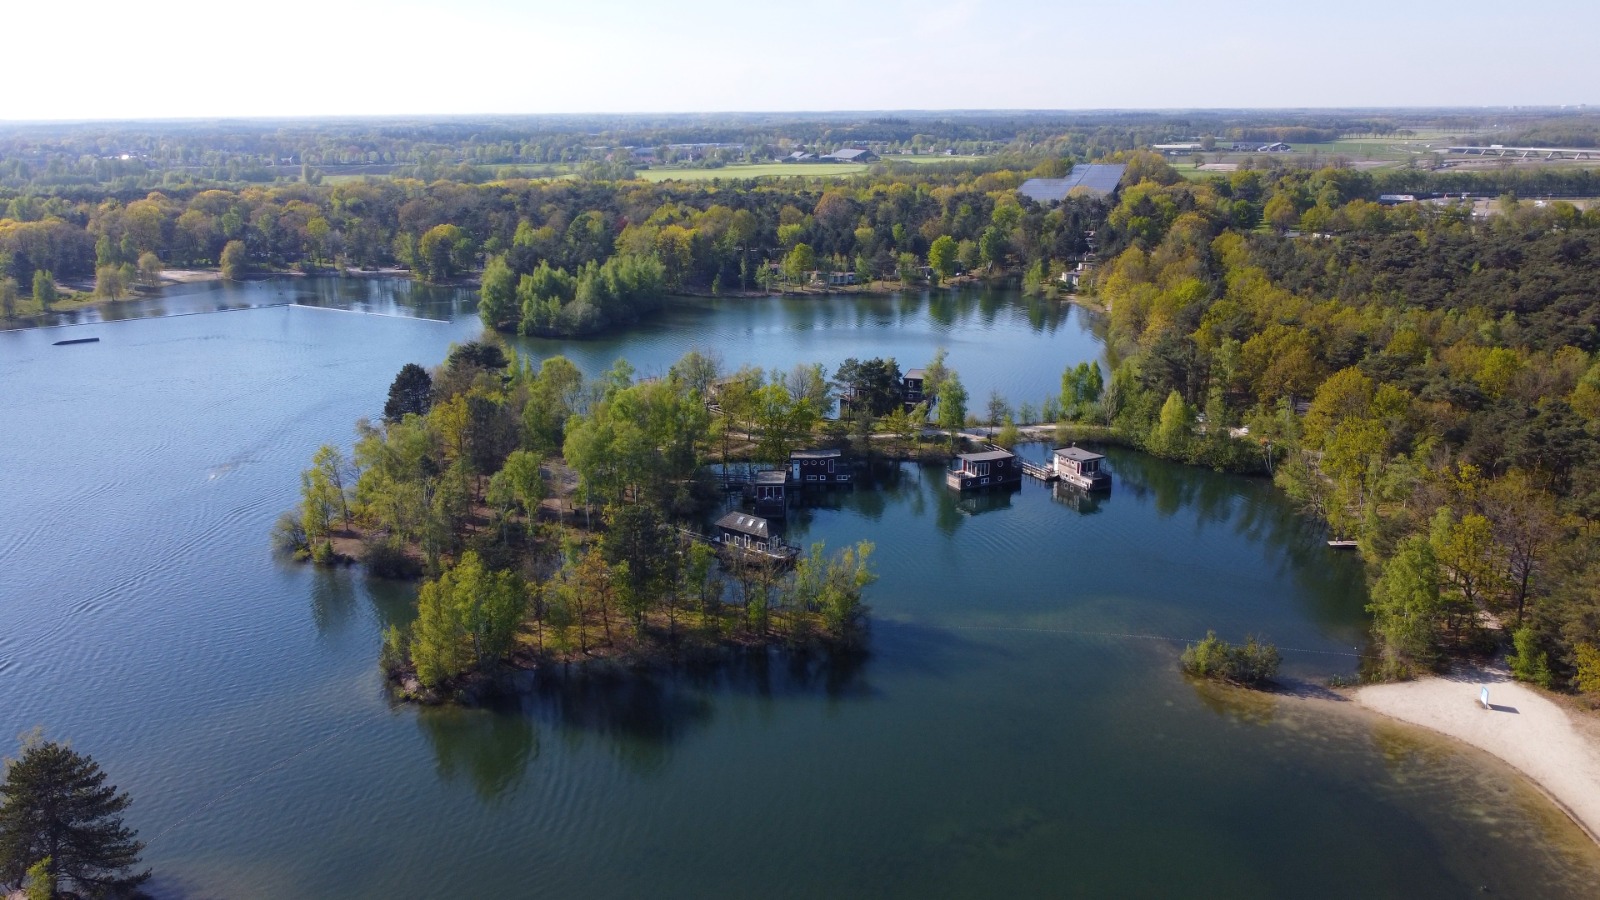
(1556, 750)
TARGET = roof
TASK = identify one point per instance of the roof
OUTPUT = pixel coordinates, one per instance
(1078, 454)
(744, 523)
(847, 153)
(916, 373)
(816, 454)
(1098, 179)
(776, 476)
(986, 456)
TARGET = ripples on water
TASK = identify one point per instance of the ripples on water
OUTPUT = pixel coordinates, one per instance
(236, 696)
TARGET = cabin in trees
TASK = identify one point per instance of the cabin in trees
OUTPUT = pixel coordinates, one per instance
(818, 468)
(743, 533)
(1080, 468)
(976, 471)
(771, 496)
(912, 387)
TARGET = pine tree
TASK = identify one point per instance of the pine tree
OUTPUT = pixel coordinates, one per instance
(56, 806)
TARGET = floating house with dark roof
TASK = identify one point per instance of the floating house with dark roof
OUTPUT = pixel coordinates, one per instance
(741, 532)
(1080, 468)
(770, 491)
(818, 468)
(991, 468)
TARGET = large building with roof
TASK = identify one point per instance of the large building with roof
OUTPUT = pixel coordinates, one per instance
(1096, 180)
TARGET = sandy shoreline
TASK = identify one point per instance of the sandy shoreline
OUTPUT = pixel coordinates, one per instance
(1556, 750)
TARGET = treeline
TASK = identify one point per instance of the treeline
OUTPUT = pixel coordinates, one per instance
(702, 235)
(1424, 381)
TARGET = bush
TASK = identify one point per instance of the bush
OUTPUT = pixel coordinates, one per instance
(386, 557)
(1587, 678)
(289, 536)
(396, 653)
(1529, 663)
(1252, 663)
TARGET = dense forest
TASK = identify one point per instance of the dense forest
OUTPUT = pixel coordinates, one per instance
(1425, 381)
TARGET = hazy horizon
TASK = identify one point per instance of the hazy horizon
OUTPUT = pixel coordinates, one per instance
(186, 59)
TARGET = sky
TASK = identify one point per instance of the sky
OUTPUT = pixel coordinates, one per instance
(98, 59)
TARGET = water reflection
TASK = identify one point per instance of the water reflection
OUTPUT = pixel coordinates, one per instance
(1236, 704)
(1080, 501)
(333, 598)
(490, 748)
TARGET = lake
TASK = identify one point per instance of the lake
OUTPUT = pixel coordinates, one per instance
(1020, 727)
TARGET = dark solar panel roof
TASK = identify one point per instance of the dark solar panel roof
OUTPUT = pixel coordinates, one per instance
(1099, 179)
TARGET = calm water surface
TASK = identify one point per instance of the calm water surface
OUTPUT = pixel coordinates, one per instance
(1020, 728)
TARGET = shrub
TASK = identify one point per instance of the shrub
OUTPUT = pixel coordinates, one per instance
(1587, 679)
(1529, 663)
(386, 557)
(289, 536)
(1251, 663)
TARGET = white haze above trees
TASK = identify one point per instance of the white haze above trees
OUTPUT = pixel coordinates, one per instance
(318, 57)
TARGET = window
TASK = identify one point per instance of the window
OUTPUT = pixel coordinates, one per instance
(983, 469)
(830, 467)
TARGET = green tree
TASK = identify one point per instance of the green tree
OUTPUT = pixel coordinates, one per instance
(991, 246)
(1406, 607)
(411, 393)
(800, 261)
(1529, 662)
(56, 809)
(1174, 429)
(109, 283)
(907, 269)
(44, 289)
(497, 299)
(519, 485)
(833, 585)
(8, 297)
(942, 256)
(324, 495)
(150, 270)
(442, 252)
(952, 406)
(41, 885)
(468, 616)
(235, 261)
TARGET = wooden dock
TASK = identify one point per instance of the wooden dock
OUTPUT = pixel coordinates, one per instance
(1031, 469)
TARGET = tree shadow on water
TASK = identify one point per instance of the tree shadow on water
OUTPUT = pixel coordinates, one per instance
(490, 748)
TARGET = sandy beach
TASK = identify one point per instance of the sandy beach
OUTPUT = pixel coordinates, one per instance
(1558, 751)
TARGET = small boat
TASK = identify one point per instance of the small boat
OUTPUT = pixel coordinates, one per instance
(76, 341)
(1344, 545)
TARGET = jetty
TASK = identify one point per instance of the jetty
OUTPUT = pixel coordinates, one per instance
(1030, 469)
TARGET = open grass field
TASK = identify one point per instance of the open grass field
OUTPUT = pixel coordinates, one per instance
(789, 170)
(759, 170)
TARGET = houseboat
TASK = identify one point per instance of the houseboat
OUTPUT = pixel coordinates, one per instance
(740, 532)
(818, 468)
(975, 471)
(770, 492)
(1080, 468)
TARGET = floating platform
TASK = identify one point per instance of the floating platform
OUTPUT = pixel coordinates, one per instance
(76, 341)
